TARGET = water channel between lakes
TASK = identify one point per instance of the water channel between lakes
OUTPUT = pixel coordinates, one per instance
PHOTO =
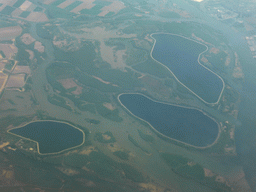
(187, 125)
(51, 136)
(180, 55)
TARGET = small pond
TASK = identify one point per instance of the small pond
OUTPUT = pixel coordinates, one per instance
(51, 136)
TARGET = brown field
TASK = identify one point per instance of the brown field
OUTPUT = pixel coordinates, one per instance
(9, 50)
(16, 81)
(60, 43)
(21, 69)
(107, 53)
(16, 12)
(70, 83)
(214, 50)
(2, 65)
(8, 33)
(68, 171)
(114, 58)
(115, 7)
(4, 145)
(47, 2)
(67, 83)
(151, 187)
(106, 137)
(88, 4)
(183, 13)
(100, 33)
(7, 2)
(31, 54)
(66, 3)
(37, 17)
(25, 5)
(101, 80)
(87, 151)
(109, 106)
(39, 47)
(3, 79)
(78, 90)
(208, 173)
(114, 147)
(31, 8)
(1, 7)
(27, 39)
(238, 72)
(103, 13)
(228, 60)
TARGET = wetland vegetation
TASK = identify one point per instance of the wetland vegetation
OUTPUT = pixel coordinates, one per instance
(75, 81)
(188, 168)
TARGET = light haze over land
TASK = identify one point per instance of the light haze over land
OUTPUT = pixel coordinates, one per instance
(128, 95)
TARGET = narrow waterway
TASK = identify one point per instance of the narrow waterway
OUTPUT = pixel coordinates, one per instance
(153, 166)
(245, 133)
(39, 78)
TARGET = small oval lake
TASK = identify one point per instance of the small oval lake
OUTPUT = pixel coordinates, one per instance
(52, 136)
(187, 125)
(180, 55)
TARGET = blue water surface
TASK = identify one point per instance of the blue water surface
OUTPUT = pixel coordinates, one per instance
(180, 55)
(187, 125)
(52, 136)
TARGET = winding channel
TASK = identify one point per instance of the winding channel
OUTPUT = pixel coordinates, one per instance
(245, 133)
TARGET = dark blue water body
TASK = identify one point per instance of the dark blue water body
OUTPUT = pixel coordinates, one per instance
(180, 55)
(184, 124)
(52, 136)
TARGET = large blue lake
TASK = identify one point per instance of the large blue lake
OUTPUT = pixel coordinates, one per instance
(184, 124)
(180, 55)
(52, 136)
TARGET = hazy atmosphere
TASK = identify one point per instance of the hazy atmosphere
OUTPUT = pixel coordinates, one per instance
(128, 95)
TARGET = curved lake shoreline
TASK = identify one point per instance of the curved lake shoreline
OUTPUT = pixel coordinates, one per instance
(184, 124)
(51, 137)
(170, 49)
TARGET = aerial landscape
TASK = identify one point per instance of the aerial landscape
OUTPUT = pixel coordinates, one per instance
(128, 95)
